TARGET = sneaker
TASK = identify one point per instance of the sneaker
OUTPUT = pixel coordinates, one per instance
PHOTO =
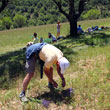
(23, 97)
(50, 86)
(22, 94)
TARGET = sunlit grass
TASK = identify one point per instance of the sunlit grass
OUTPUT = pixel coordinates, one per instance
(17, 38)
(88, 74)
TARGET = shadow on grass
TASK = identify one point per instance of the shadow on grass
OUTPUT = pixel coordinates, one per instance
(12, 64)
(11, 67)
(58, 97)
(98, 38)
(95, 38)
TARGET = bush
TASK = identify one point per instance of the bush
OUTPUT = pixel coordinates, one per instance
(62, 18)
(32, 22)
(19, 21)
(1, 27)
(39, 22)
(91, 14)
(36, 14)
(27, 15)
(7, 22)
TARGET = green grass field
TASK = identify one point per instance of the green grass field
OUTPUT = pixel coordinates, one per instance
(88, 74)
(11, 40)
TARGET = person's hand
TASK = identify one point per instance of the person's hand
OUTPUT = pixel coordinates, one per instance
(55, 84)
(63, 83)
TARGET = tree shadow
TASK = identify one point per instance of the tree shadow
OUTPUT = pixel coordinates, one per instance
(96, 38)
(57, 97)
(11, 67)
(63, 46)
(12, 64)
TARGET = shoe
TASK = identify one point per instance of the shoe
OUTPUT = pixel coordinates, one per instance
(50, 86)
(23, 97)
(22, 94)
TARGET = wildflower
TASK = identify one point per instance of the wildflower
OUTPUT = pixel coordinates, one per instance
(45, 103)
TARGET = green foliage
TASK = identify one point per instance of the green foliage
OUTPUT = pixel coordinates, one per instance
(40, 22)
(19, 21)
(39, 12)
(91, 14)
(7, 22)
(32, 22)
(62, 18)
(1, 26)
(36, 14)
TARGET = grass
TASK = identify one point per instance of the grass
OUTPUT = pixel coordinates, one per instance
(11, 40)
(92, 82)
(88, 74)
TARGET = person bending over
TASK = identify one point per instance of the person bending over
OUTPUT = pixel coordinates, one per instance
(48, 54)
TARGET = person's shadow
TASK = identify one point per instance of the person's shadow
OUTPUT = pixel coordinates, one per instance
(57, 96)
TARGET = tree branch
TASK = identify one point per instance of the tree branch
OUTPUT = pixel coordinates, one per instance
(81, 7)
(60, 8)
(4, 4)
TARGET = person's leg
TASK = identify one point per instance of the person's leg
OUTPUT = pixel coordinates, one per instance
(30, 68)
(49, 74)
(25, 83)
(58, 33)
(27, 80)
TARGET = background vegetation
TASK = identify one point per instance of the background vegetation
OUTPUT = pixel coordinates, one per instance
(40, 12)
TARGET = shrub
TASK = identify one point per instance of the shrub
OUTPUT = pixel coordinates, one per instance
(32, 22)
(19, 21)
(36, 14)
(39, 22)
(62, 18)
(91, 14)
(1, 27)
(7, 22)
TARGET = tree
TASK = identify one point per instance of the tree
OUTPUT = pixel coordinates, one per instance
(73, 14)
(91, 14)
(3, 5)
(19, 21)
(6, 22)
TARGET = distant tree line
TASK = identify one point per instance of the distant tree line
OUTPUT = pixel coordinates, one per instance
(20, 13)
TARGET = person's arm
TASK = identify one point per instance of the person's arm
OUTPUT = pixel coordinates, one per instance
(61, 75)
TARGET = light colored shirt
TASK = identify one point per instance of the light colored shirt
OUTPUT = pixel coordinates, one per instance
(50, 55)
(53, 38)
(36, 40)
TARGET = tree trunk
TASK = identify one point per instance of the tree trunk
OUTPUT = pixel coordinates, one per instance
(4, 4)
(73, 27)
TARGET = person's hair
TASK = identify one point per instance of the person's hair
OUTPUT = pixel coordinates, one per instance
(49, 34)
(29, 43)
(58, 22)
(35, 34)
(79, 25)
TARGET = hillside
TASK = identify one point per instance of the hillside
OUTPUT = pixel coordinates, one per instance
(40, 12)
(88, 73)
